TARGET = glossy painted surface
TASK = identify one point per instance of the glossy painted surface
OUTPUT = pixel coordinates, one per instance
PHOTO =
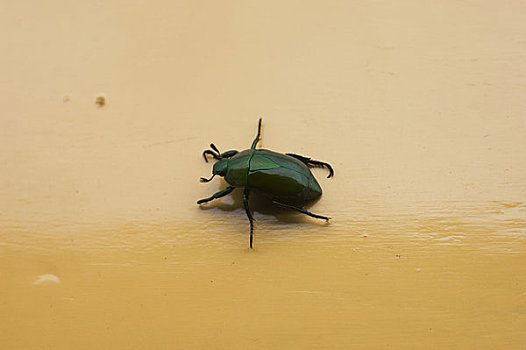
(106, 108)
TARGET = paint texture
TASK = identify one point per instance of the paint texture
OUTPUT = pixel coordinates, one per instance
(106, 108)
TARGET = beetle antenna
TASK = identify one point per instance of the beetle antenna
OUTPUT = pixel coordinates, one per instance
(207, 180)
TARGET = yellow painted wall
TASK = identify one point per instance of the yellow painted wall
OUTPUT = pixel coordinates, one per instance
(419, 106)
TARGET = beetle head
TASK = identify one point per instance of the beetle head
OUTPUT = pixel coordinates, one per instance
(220, 167)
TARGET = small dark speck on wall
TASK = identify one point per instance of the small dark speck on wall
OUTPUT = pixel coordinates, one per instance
(100, 101)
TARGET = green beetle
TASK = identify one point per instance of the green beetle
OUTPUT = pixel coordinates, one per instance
(284, 178)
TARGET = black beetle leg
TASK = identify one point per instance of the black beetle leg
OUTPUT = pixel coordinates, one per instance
(210, 153)
(204, 179)
(246, 192)
(297, 156)
(217, 195)
(322, 164)
(312, 163)
(303, 211)
(257, 136)
(212, 146)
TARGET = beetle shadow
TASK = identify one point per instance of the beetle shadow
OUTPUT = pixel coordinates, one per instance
(262, 205)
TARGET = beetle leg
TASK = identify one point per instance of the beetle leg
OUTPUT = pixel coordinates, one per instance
(322, 164)
(210, 153)
(246, 192)
(312, 163)
(303, 211)
(257, 136)
(217, 195)
(203, 179)
(212, 146)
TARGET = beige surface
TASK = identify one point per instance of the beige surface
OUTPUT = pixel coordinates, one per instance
(418, 105)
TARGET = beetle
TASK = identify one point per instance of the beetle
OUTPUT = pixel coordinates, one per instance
(284, 178)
